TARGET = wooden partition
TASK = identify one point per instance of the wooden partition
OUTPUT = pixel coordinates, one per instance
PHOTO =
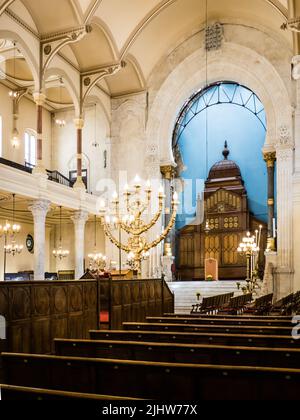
(36, 312)
(133, 300)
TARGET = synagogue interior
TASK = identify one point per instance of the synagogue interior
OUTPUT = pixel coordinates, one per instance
(149, 200)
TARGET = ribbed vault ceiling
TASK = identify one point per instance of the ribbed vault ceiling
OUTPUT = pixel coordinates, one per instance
(141, 32)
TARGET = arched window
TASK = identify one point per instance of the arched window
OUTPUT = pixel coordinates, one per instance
(30, 147)
(224, 111)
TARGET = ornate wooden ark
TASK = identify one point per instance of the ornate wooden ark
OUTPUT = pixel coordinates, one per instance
(228, 218)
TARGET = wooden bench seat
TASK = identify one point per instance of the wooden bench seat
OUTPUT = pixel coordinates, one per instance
(221, 321)
(235, 317)
(179, 353)
(224, 329)
(21, 393)
(151, 380)
(212, 303)
(270, 341)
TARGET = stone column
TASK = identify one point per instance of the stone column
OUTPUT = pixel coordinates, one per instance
(284, 271)
(79, 219)
(39, 210)
(270, 158)
(39, 99)
(79, 123)
(168, 173)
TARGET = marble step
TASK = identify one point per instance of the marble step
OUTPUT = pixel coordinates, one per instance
(186, 292)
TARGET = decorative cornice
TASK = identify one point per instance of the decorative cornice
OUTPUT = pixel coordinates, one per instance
(21, 22)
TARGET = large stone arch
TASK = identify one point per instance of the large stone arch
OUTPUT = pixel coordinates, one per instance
(56, 71)
(25, 49)
(233, 62)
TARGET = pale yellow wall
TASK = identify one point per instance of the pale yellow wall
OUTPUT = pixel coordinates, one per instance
(68, 243)
(64, 144)
(27, 119)
(24, 261)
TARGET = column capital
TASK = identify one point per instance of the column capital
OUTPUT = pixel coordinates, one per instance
(168, 171)
(39, 98)
(270, 158)
(79, 123)
(40, 208)
(80, 217)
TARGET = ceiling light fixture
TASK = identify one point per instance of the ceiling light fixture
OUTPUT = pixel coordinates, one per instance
(59, 252)
(60, 122)
(95, 142)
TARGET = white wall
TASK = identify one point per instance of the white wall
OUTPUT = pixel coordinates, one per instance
(27, 119)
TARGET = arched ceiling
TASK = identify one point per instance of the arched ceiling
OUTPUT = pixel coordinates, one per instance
(141, 32)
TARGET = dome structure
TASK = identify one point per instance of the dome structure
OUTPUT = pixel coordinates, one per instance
(225, 168)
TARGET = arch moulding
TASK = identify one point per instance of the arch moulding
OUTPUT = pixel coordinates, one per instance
(234, 63)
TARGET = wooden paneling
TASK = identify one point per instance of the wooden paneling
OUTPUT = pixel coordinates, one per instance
(37, 312)
(134, 300)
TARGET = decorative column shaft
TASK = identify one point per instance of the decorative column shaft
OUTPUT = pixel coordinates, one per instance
(79, 219)
(168, 173)
(79, 123)
(285, 156)
(270, 158)
(39, 99)
(39, 210)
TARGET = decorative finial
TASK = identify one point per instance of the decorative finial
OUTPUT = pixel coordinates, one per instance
(226, 151)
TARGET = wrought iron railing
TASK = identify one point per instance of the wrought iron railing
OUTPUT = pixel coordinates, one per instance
(54, 176)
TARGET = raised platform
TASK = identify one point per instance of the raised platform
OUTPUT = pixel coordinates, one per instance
(186, 291)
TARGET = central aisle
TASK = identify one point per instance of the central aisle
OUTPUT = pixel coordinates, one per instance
(185, 292)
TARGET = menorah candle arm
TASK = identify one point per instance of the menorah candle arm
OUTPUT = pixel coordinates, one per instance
(165, 232)
(114, 240)
(154, 220)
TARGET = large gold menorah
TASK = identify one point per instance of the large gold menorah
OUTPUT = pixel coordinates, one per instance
(130, 220)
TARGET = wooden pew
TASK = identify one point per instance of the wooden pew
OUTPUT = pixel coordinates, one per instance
(261, 305)
(151, 380)
(200, 328)
(224, 316)
(284, 306)
(179, 353)
(237, 305)
(211, 304)
(271, 341)
(221, 321)
(21, 393)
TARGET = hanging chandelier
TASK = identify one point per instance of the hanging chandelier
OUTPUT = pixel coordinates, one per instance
(10, 230)
(95, 142)
(58, 121)
(59, 252)
(97, 261)
(13, 249)
(14, 95)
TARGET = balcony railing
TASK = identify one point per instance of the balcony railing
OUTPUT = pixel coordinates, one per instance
(54, 176)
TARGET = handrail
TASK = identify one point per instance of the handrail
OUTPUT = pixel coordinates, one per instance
(54, 176)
